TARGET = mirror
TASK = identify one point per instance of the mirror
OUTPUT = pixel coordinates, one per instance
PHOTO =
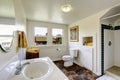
(7, 24)
(6, 37)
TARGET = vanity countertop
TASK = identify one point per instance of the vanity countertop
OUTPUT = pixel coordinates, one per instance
(56, 73)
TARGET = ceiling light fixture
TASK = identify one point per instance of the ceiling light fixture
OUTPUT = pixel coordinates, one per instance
(66, 8)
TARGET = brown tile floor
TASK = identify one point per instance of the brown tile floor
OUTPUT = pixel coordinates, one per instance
(76, 72)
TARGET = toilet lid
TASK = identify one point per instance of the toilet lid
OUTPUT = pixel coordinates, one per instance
(67, 57)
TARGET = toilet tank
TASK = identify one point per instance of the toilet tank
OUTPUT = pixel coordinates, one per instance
(74, 53)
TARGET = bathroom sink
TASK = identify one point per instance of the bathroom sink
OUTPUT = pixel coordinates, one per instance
(37, 70)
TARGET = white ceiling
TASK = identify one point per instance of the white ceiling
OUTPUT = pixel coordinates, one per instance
(112, 15)
(49, 10)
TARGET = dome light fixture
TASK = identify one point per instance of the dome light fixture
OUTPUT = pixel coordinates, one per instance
(66, 8)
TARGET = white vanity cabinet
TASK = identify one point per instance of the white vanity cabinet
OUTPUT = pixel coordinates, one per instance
(86, 57)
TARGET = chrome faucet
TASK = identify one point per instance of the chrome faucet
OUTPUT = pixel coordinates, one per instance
(20, 67)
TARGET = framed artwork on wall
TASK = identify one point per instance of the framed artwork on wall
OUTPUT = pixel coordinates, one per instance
(74, 34)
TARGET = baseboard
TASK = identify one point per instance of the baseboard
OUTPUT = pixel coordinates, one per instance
(58, 59)
(77, 63)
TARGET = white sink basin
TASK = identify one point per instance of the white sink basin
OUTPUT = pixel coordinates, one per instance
(37, 70)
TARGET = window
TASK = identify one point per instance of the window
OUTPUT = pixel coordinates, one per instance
(43, 37)
(40, 35)
(6, 34)
(57, 36)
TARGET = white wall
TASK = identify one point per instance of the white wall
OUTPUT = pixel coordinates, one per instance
(20, 22)
(86, 57)
(108, 50)
(53, 52)
(20, 18)
(48, 50)
(8, 21)
(90, 26)
(117, 43)
(5, 58)
(111, 53)
(117, 47)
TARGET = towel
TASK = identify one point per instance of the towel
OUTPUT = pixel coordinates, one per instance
(33, 50)
(22, 40)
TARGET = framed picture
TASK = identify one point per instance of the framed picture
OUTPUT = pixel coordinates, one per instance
(74, 34)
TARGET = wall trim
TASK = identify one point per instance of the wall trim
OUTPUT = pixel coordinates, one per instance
(103, 27)
(117, 28)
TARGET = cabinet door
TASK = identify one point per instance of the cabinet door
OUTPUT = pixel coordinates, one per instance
(87, 57)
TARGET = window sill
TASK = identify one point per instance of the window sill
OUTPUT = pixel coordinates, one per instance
(47, 45)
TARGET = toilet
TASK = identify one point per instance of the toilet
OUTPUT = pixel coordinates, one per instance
(68, 59)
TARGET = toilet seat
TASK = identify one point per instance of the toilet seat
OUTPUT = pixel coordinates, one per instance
(66, 57)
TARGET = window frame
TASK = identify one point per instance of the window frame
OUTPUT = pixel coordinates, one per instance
(50, 36)
(43, 36)
(54, 36)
